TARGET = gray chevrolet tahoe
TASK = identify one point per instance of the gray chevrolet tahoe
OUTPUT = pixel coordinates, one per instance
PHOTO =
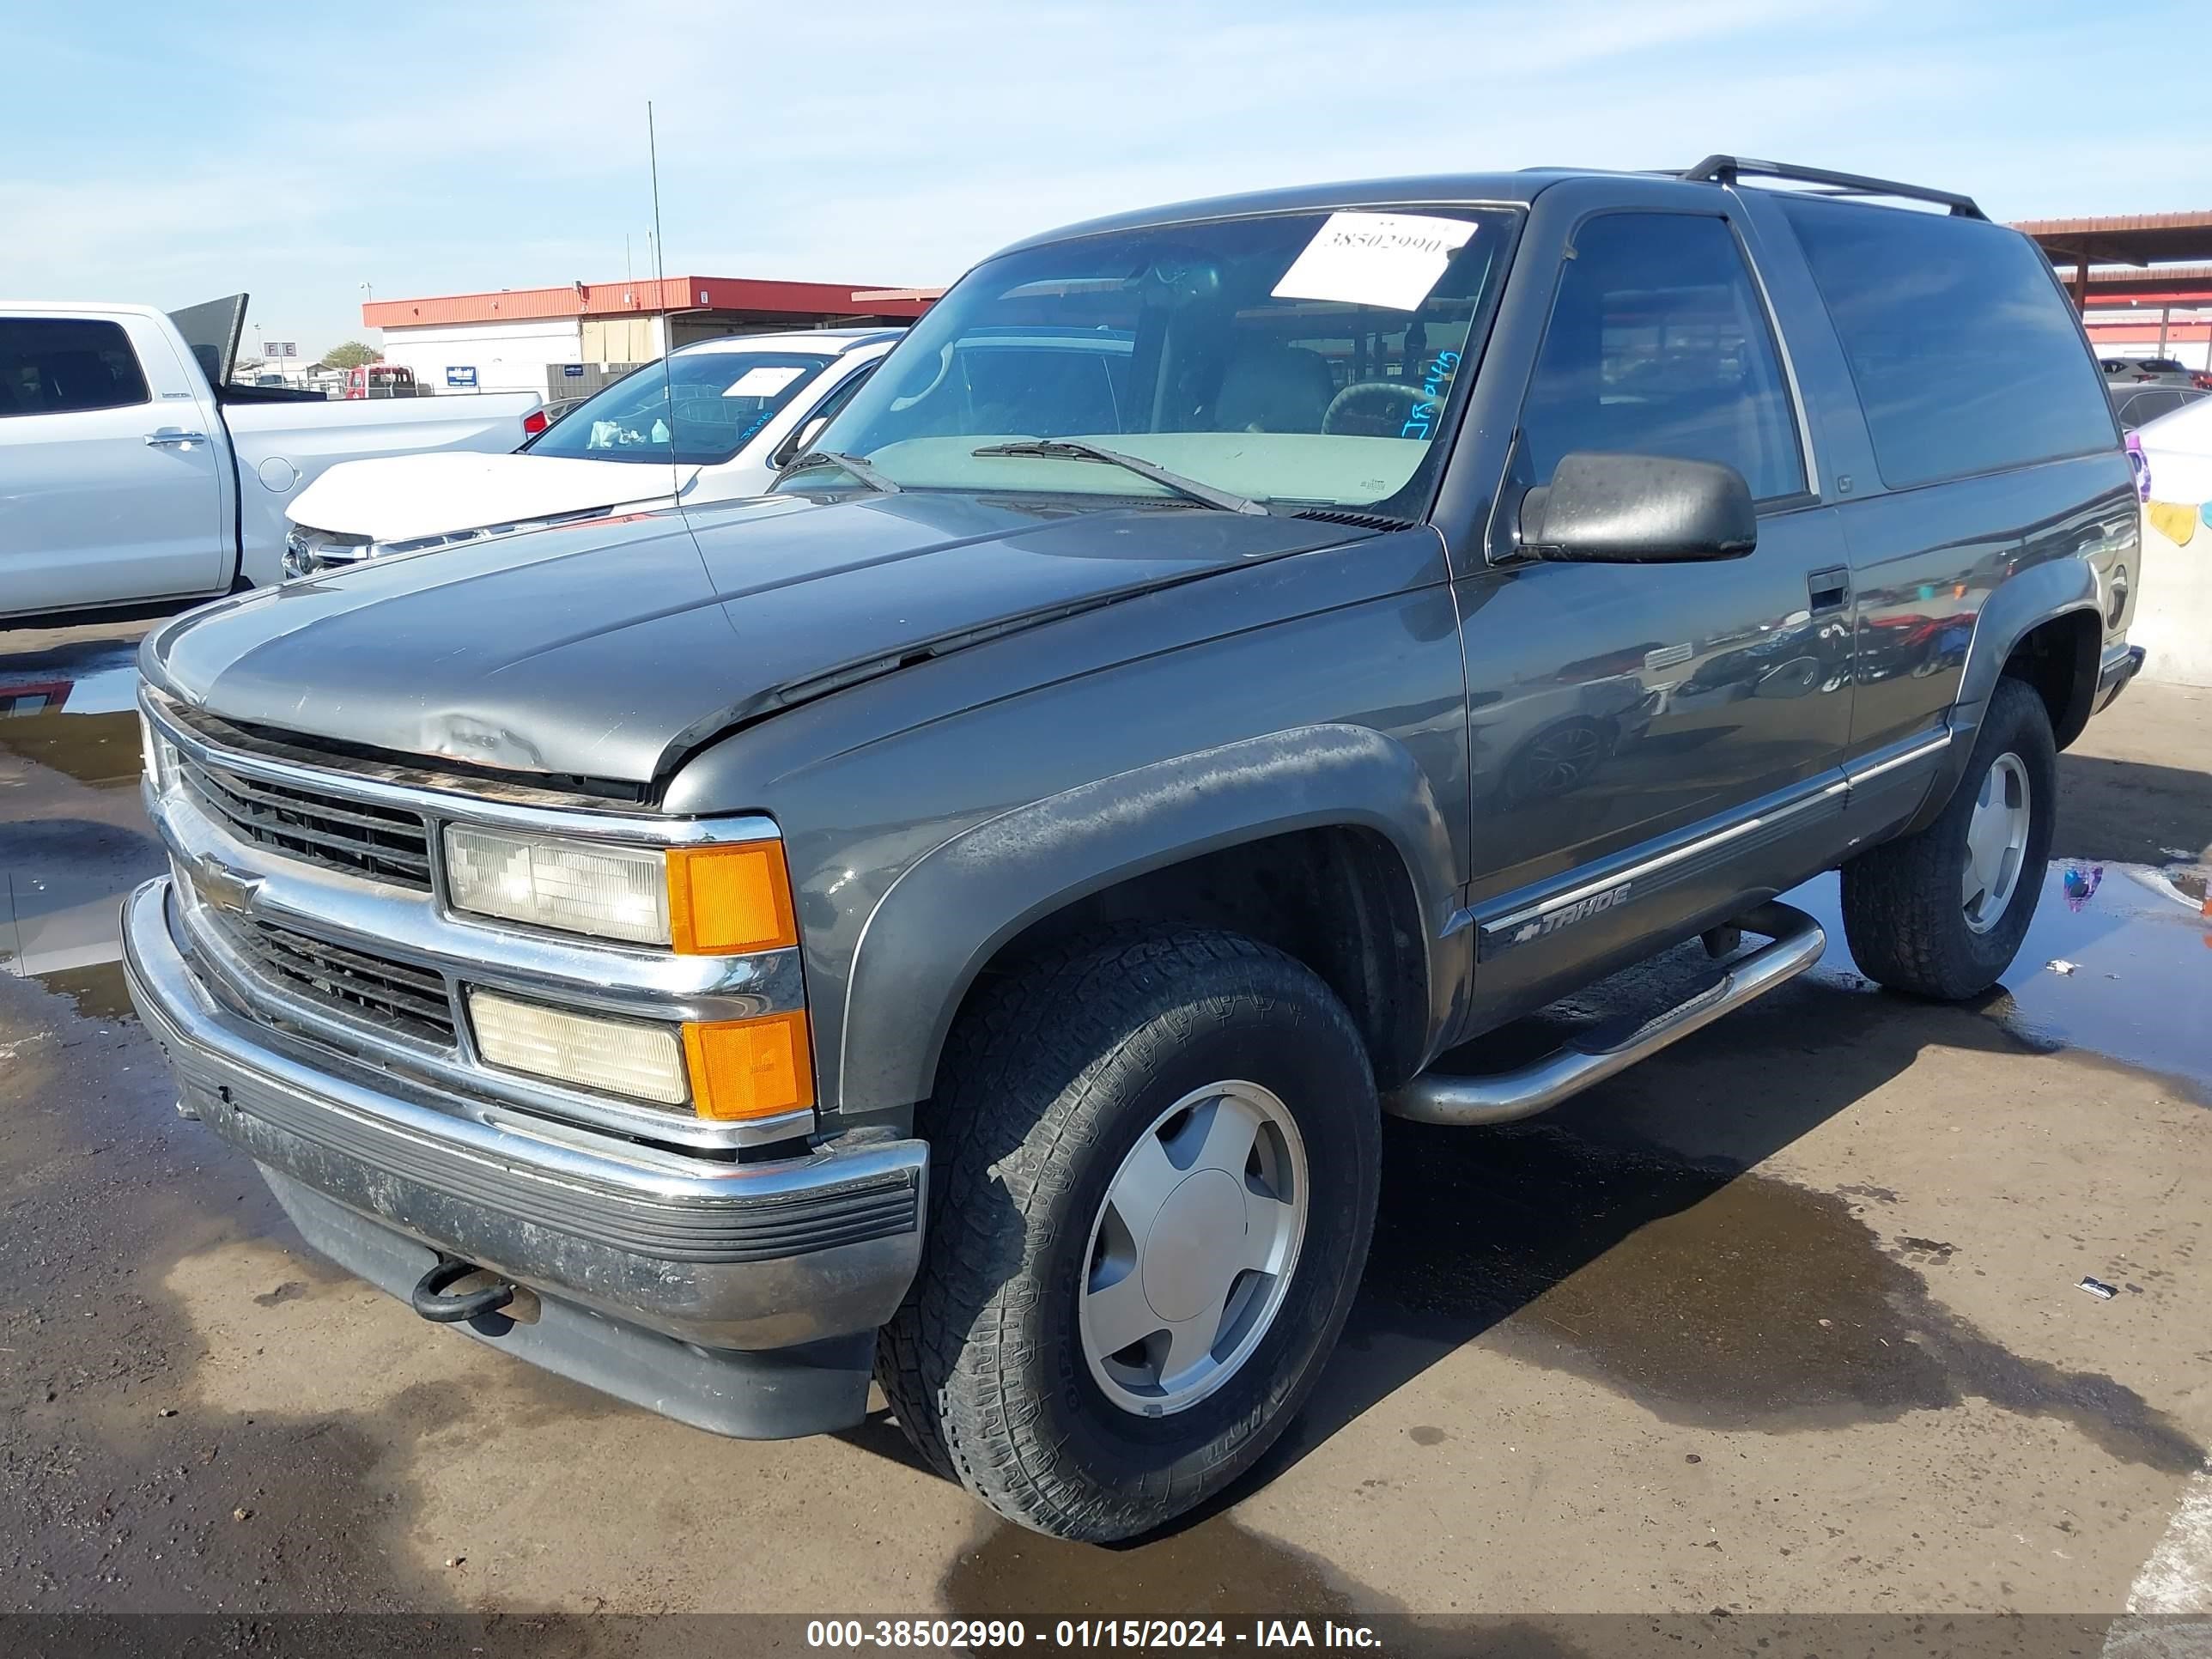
(958, 920)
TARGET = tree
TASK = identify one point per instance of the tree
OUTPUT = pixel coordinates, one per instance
(352, 354)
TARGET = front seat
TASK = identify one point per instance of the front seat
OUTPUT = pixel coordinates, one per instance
(78, 379)
(1275, 388)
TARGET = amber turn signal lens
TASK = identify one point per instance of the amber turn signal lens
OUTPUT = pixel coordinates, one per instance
(725, 900)
(749, 1068)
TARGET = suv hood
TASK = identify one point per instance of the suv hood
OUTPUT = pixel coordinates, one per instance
(607, 649)
(402, 497)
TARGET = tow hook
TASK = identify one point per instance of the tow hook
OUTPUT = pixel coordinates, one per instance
(430, 1300)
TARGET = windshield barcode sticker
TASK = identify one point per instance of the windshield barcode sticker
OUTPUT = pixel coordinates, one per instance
(1388, 260)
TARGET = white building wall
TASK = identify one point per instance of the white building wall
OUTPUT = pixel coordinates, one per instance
(506, 356)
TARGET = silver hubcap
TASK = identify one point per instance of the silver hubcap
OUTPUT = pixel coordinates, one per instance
(1192, 1251)
(1996, 843)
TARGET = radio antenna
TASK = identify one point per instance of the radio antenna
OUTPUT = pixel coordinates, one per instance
(660, 294)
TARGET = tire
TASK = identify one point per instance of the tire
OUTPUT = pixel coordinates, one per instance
(1049, 1082)
(1904, 914)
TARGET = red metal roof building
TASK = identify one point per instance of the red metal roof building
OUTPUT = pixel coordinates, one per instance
(540, 339)
(2142, 281)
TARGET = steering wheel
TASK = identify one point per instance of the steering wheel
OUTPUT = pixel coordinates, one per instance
(1376, 409)
(943, 368)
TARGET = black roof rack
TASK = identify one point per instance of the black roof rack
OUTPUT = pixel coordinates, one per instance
(1727, 169)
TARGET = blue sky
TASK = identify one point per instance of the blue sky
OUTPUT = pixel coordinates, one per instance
(170, 154)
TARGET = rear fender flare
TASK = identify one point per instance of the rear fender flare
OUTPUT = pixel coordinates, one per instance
(2019, 604)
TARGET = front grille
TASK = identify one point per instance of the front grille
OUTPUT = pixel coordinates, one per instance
(395, 996)
(382, 843)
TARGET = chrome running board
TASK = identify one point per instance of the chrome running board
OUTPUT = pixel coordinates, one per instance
(1797, 942)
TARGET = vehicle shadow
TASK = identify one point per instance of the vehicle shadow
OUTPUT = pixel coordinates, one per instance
(1570, 1241)
(2132, 812)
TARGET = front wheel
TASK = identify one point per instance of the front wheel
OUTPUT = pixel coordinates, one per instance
(1942, 914)
(1154, 1173)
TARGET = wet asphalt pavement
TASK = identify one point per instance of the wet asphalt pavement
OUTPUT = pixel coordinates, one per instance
(1786, 1319)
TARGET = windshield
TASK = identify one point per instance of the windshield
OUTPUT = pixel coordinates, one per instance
(722, 399)
(1301, 359)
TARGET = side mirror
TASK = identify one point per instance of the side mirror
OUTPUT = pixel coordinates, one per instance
(1638, 509)
(800, 441)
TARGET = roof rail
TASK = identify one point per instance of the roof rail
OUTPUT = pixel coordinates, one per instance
(1727, 169)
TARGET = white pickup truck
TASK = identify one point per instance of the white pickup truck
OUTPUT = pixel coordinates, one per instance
(132, 471)
(713, 423)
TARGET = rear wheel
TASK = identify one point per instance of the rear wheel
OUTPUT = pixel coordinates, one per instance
(1942, 913)
(1154, 1173)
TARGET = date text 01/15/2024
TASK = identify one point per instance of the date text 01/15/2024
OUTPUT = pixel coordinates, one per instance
(993, 1634)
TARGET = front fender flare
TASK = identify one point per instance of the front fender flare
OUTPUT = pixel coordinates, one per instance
(940, 922)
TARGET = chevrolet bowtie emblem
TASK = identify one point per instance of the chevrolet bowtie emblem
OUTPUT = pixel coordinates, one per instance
(224, 888)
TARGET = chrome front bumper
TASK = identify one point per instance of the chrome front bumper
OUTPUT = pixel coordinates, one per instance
(689, 1252)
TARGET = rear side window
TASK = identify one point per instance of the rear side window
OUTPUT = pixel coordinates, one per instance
(2148, 406)
(57, 365)
(1658, 345)
(1965, 353)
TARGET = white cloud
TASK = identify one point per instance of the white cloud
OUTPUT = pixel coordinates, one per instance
(469, 148)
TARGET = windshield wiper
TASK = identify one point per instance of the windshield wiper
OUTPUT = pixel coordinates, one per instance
(1071, 449)
(852, 464)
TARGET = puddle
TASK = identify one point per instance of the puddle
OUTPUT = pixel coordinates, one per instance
(99, 992)
(71, 708)
(1714, 1298)
(67, 719)
(62, 884)
(1215, 1569)
(2140, 939)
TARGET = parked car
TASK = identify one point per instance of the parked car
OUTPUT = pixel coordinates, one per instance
(742, 407)
(560, 408)
(138, 470)
(380, 381)
(2153, 371)
(2133, 405)
(959, 921)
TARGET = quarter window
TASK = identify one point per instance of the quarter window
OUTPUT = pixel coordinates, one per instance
(59, 365)
(1966, 357)
(1658, 344)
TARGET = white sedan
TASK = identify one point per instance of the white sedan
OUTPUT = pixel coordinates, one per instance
(713, 422)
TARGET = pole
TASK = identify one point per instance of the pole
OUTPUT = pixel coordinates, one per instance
(660, 298)
(2165, 315)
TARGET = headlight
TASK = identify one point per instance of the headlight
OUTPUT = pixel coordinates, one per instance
(697, 900)
(729, 1071)
(574, 886)
(618, 1057)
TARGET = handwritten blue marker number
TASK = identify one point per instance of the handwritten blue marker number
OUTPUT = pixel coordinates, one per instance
(1422, 421)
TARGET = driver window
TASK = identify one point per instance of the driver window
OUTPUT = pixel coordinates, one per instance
(1658, 345)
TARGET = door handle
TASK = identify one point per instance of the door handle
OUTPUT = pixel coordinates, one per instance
(1831, 590)
(170, 434)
